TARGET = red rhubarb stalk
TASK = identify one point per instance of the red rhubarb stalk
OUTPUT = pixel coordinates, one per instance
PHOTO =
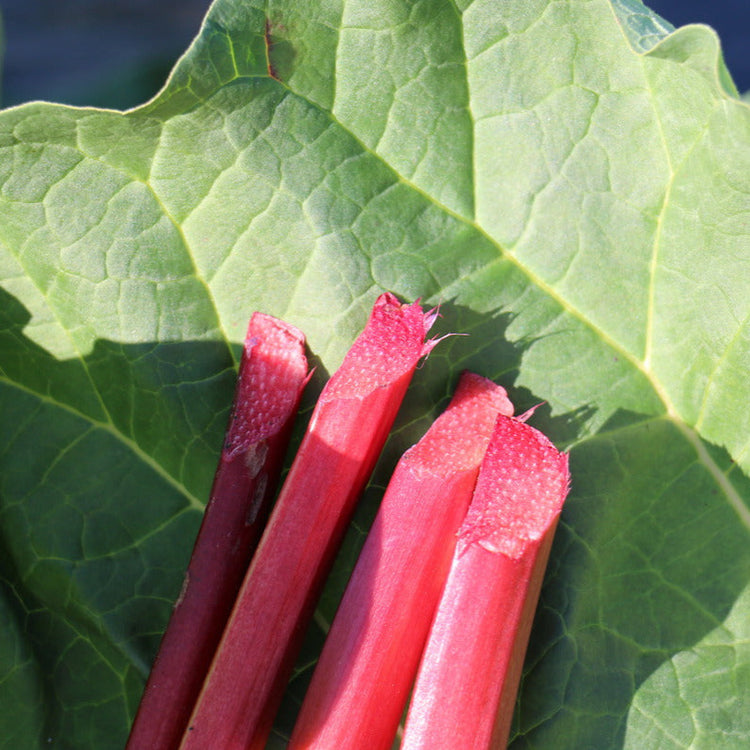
(466, 688)
(361, 682)
(348, 427)
(273, 371)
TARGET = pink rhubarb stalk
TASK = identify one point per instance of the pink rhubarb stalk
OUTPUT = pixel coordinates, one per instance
(466, 688)
(348, 427)
(273, 371)
(371, 654)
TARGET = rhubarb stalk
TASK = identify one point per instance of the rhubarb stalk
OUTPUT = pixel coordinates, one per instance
(273, 371)
(361, 682)
(465, 692)
(348, 427)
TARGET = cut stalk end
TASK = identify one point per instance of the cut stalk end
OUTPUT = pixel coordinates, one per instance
(272, 374)
(465, 692)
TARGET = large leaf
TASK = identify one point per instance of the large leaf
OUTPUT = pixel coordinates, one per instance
(569, 179)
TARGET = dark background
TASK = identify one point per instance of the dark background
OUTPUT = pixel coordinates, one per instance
(730, 18)
(117, 53)
(105, 53)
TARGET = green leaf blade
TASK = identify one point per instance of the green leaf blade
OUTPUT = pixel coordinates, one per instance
(568, 180)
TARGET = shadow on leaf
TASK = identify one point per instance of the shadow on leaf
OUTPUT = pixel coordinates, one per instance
(648, 561)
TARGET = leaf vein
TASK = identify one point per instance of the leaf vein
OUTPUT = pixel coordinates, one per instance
(110, 428)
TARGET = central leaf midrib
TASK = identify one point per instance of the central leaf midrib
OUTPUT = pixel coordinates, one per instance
(503, 252)
(733, 497)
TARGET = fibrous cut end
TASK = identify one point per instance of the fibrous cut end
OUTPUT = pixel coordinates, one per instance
(458, 438)
(522, 484)
(389, 347)
(272, 373)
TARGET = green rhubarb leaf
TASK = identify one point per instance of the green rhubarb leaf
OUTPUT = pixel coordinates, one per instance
(569, 180)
